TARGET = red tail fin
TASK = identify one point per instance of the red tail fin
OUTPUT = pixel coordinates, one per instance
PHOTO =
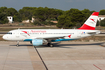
(90, 24)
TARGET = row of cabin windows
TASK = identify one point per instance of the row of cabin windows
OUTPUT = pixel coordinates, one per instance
(48, 33)
(9, 33)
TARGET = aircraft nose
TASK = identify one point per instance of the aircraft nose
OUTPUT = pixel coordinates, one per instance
(4, 37)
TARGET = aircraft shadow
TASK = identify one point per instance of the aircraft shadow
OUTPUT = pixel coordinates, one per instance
(57, 45)
(80, 44)
(23, 45)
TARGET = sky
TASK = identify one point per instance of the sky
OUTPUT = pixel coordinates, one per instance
(96, 5)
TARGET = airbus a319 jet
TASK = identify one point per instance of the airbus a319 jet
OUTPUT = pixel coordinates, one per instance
(39, 37)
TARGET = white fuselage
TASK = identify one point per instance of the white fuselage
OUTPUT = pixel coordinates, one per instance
(66, 34)
(42, 36)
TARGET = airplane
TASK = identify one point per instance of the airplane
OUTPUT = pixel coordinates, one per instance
(38, 37)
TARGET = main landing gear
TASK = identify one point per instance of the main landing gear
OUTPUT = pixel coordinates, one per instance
(51, 45)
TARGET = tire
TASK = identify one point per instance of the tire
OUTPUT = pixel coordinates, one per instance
(17, 45)
(31, 42)
(48, 44)
(51, 45)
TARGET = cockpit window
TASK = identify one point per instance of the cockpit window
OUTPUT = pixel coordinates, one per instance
(9, 33)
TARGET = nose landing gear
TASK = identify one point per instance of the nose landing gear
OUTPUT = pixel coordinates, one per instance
(17, 43)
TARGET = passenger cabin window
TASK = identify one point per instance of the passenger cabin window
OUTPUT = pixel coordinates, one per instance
(9, 33)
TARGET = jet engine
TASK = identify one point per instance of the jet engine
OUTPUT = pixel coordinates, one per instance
(38, 42)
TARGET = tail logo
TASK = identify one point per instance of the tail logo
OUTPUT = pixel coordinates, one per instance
(92, 19)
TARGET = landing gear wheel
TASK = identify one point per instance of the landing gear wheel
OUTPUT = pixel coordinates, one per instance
(17, 45)
(31, 42)
(48, 44)
(51, 45)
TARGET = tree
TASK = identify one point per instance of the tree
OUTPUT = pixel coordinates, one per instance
(61, 21)
(102, 22)
(98, 23)
(64, 22)
(40, 14)
(78, 25)
(3, 18)
(27, 12)
(11, 12)
(86, 13)
(17, 18)
(4, 12)
(43, 14)
(14, 13)
(3, 15)
(77, 16)
(102, 12)
(38, 23)
(70, 18)
(3, 9)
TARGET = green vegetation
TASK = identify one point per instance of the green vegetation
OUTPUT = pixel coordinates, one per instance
(4, 12)
(43, 16)
(73, 18)
(102, 12)
(102, 22)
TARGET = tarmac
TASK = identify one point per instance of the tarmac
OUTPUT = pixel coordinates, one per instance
(64, 56)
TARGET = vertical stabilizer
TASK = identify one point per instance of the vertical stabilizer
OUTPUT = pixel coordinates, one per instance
(90, 24)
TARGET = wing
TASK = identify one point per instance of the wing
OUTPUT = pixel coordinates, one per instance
(50, 37)
(54, 37)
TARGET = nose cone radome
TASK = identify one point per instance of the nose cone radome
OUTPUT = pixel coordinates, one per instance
(4, 37)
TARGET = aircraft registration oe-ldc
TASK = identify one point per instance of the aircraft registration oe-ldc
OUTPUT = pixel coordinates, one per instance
(39, 37)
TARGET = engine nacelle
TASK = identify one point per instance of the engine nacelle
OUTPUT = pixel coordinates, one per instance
(37, 42)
